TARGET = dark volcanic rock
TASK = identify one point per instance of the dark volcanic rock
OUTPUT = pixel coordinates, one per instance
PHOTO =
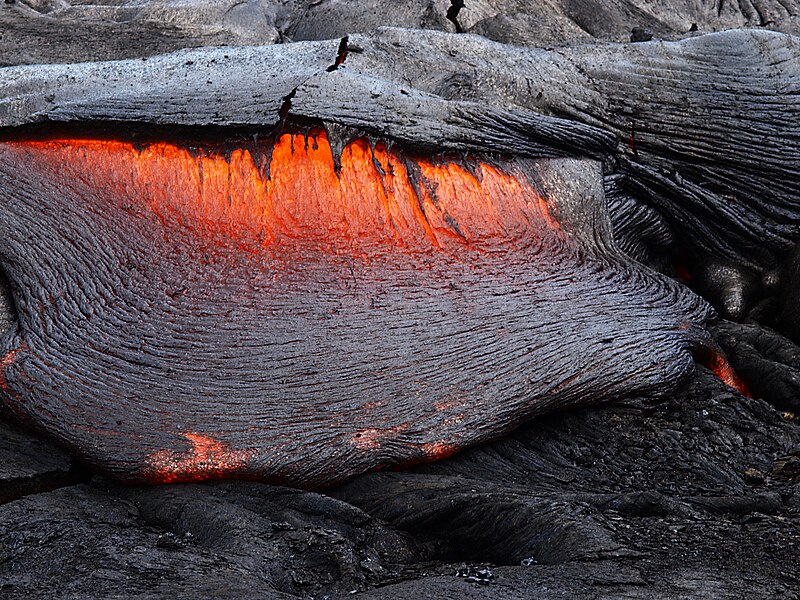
(648, 499)
(26, 456)
(88, 541)
(227, 541)
(62, 32)
(788, 318)
(30, 465)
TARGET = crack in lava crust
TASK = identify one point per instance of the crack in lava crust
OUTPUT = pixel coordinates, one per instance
(187, 313)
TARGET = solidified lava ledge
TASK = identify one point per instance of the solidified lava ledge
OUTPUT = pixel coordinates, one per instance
(191, 312)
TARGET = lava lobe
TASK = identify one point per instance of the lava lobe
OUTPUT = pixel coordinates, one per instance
(189, 311)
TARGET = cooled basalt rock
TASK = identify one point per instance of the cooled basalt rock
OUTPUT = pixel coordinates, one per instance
(789, 282)
(192, 311)
(41, 31)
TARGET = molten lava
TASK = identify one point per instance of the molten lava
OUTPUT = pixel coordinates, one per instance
(205, 459)
(285, 197)
(289, 194)
(716, 361)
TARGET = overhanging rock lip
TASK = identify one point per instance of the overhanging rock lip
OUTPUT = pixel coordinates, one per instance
(229, 87)
(219, 137)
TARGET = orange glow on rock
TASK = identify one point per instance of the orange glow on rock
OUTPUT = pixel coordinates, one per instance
(7, 360)
(289, 194)
(206, 459)
(438, 450)
(715, 361)
(265, 311)
(373, 438)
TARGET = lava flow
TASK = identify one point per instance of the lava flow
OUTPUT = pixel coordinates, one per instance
(260, 310)
(205, 459)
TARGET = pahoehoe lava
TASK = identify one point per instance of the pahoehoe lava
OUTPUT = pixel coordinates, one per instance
(192, 311)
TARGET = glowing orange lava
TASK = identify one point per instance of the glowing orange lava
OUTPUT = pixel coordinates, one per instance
(289, 193)
(719, 365)
(206, 459)
(274, 197)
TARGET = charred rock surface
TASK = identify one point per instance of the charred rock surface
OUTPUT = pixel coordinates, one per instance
(101, 540)
(33, 32)
(553, 22)
(788, 292)
(32, 466)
